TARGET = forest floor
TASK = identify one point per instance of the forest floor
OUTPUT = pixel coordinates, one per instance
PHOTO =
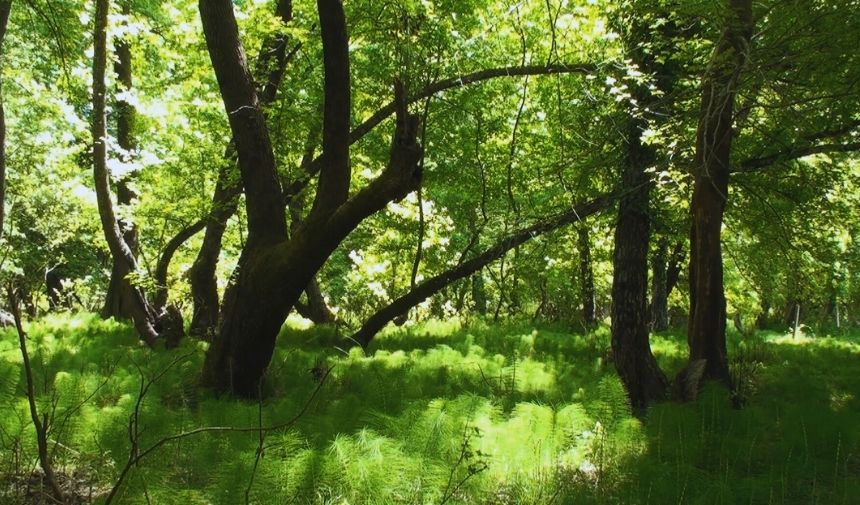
(436, 414)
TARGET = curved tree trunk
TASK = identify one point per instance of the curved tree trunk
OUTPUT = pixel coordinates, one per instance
(144, 317)
(119, 301)
(202, 278)
(163, 264)
(273, 59)
(273, 270)
(707, 326)
(429, 287)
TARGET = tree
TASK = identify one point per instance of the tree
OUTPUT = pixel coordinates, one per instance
(711, 167)
(649, 49)
(273, 270)
(5, 8)
(119, 300)
(150, 324)
(586, 276)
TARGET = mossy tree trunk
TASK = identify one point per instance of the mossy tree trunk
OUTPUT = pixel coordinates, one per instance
(120, 297)
(147, 320)
(273, 59)
(273, 269)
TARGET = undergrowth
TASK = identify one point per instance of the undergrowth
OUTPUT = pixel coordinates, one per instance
(483, 414)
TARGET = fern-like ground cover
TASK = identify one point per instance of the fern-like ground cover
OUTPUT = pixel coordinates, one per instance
(481, 414)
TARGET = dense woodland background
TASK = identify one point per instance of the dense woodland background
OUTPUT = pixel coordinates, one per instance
(469, 251)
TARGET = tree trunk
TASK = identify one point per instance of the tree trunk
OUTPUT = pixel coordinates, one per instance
(673, 270)
(5, 8)
(202, 275)
(163, 264)
(274, 270)
(659, 287)
(273, 60)
(761, 321)
(631, 350)
(586, 277)
(317, 309)
(144, 317)
(119, 301)
(634, 361)
(707, 326)
(479, 294)
(431, 286)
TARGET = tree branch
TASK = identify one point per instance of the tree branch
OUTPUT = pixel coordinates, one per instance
(794, 153)
(333, 187)
(435, 284)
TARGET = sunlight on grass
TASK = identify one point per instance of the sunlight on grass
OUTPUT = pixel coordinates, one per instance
(476, 414)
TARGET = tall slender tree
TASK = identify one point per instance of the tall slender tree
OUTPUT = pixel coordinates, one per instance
(119, 299)
(149, 323)
(5, 9)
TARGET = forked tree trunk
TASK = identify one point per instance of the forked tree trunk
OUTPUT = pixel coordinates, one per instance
(272, 61)
(707, 325)
(631, 349)
(586, 276)
(119, 301)
(273, 270)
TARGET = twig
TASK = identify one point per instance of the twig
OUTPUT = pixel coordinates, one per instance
(140, 455)
(41, 425)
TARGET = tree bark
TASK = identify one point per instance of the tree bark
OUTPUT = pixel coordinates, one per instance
(431, 286)
(673, 270)
(144, 317)
(202, 275)
(643, 379)
(659, 286)
(631, 349)
(316, 309)
(586, 277)
(274, 270)
(273, 60)
(707, 325)
(479, 294)
(119, 301)
(163, 264)
(5, 9)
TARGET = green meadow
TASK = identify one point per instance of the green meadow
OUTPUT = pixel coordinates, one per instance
(437, 413)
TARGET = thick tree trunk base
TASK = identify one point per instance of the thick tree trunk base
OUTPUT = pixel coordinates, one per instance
(120, 299)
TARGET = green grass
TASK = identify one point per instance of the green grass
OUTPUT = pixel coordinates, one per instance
(441, 413)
